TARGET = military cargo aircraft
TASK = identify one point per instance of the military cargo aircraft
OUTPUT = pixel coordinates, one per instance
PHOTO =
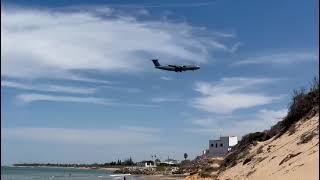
(176, 68)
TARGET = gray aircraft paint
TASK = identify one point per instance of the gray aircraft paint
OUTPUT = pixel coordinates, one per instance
(175, 68)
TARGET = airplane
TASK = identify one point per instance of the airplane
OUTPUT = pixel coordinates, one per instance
(175, 68)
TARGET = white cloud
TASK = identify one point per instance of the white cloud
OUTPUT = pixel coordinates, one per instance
(79, 136)
(47, 87)
(165, 99)
(86, 79)
(228, 125)
(272, 116)
(281, 58)
(202, 122)
(103, 10)
(235, 47)
(227, 103)
(231, 84)
(163, 5)
(125, 89)
(166, 78)
(231, 94)
(143, 12)
(225, 34)
(142, 129)
(29, 98)
(53, 44)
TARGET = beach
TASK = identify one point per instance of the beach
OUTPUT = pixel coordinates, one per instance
(61, 173)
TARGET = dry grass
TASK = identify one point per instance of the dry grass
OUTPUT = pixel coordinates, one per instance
(288, 157)
(305, 138)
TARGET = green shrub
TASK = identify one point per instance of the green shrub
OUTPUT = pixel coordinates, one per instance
(161, 168)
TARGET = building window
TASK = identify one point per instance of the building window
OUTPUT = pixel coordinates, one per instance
(221, 144)
(211, 145)
(216, 145)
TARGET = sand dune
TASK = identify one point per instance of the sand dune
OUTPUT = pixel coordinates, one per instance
(292, 156)
(288, 157)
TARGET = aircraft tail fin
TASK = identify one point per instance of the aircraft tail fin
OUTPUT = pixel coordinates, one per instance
(155, 62)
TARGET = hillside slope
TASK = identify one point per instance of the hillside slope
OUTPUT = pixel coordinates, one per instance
(294, 155)
(288, 150)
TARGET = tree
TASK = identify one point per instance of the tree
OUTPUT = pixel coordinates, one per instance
(185, 156)
(128, 162)
(157, 161)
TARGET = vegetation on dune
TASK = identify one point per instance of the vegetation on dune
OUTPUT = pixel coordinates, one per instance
(302, 104)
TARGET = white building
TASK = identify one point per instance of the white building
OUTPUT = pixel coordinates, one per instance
(147, 164)
(222, 146)
(170, 162)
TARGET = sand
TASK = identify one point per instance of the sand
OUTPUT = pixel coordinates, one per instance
(159, 177)
(282, 158)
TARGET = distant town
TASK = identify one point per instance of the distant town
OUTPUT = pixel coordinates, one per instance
(119, 163)
(216, 148)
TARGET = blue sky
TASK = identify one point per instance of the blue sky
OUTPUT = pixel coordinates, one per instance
(78, 86)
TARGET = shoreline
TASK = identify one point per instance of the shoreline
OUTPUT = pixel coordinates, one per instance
(112, 169)
(157, 177)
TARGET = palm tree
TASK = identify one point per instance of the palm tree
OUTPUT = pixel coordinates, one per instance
(185, 156)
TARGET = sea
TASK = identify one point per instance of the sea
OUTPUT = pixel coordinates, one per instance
(45, 173)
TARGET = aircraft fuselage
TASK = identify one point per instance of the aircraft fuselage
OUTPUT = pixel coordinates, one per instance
(176, 68)
(179, 68)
